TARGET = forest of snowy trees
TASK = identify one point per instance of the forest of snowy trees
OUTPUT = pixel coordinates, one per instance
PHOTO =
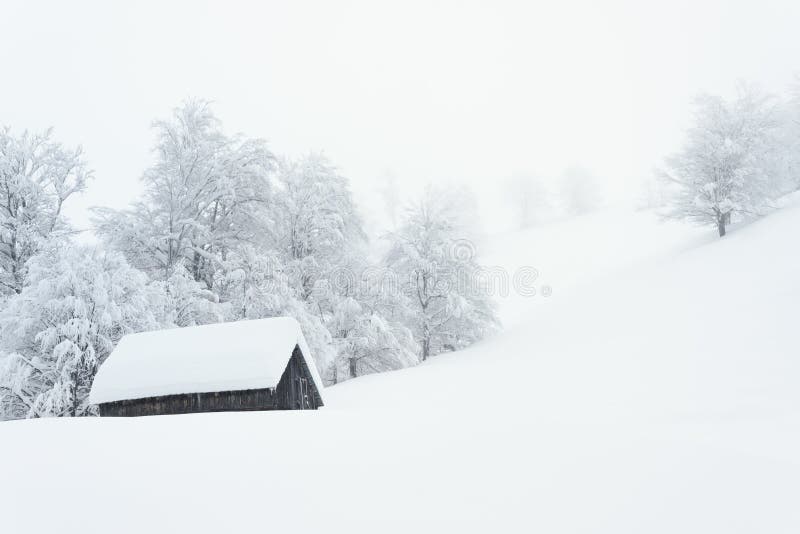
(225, 230)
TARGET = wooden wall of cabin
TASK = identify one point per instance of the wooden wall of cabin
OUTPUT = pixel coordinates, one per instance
(222, 401)
(296, 389)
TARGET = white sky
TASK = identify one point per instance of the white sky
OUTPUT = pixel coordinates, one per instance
(468, 92)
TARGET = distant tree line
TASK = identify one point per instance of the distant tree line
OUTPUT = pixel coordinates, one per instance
(739, 156)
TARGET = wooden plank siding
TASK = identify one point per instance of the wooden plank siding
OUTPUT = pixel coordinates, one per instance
(296, 390)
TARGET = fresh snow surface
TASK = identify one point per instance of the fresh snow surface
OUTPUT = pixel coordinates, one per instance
(655, 395)
(217, 357)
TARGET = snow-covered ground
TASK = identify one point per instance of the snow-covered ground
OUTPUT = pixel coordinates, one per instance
(655, 391)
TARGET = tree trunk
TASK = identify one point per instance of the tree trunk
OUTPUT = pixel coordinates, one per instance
(16, 265)
(353, 370)
(721, 226)
(75, 392)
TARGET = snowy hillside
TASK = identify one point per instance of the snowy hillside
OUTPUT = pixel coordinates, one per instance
(655, 391)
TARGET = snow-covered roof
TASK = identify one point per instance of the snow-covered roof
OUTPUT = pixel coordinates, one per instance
(199, 359)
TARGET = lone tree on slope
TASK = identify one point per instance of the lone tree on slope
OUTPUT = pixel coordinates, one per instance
(724, 172)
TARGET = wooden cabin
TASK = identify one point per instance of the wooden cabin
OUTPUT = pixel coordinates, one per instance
(263, 364)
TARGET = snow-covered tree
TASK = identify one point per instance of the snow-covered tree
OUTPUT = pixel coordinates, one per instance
(579, 190)
(187, 302)
(438, 272)
(653, 193)
(206, 193)
(391, 198)
(367, 342)
(77, 303)
(321, 237)
(318, 226)
(37, 176)
(219, 243)
(726, 169)
(368, 334)
(529, 199)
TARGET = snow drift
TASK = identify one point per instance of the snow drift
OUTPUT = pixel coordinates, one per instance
(657, 393)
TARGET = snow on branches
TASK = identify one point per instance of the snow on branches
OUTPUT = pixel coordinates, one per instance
(37, 176)
(726, 169)
(436, 267)
(76, 305)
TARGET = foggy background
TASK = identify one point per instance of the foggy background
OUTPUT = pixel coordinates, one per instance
(447, 92)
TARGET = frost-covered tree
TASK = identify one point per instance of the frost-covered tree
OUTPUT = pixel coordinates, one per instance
(437, 271)
(579, 190)
(210, 216)
(77, 303)
(318, 226)
(187, 302)
(320, 235)
(206, 193)
(726, 169)
(368, 343)
(529, 199)
(368, 335)
(37, 176)
(652, 193)
(391, 197)
(251, 282)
